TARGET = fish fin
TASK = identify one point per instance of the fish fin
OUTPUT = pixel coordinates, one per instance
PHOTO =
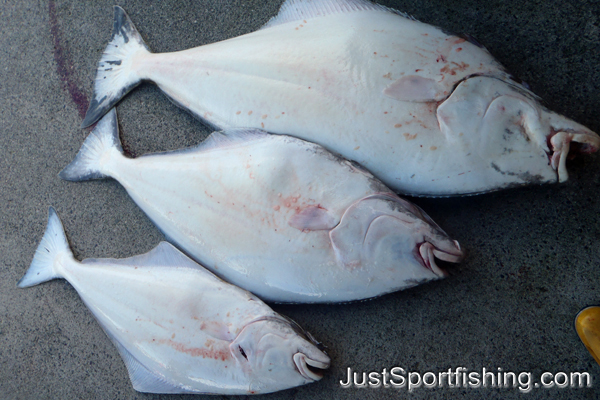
(313, 218)
(103, 141)
(142, 379)
(115, 76)
(163, 255)
(52, 244)
(416, 89)
(232, 136)
(221, 139)
(297, 10)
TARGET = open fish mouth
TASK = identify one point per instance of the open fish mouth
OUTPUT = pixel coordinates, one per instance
(308, 368)
(564, 142)
(427, 253)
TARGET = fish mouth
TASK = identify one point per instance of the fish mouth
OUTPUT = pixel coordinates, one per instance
(562, 142)
(427, 253)
(308, 368)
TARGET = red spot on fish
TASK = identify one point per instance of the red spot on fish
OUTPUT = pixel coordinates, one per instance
(417, 70)
(456, 67)
(441, 58)
(217, 354)
(276, 208)
(460, 40)
(397, 125)
(249, 112)
(448, 70)
(374, 52)
(262, 124)
(264, 116)
(238, 113)
(459, 49)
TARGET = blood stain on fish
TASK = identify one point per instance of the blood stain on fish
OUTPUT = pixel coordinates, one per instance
(197, 351)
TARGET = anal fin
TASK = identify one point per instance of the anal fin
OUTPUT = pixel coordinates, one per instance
(142, 379)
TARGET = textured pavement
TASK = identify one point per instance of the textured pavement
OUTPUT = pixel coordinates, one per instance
(532, 253)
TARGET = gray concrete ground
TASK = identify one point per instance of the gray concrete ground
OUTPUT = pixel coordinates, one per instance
(532, 260)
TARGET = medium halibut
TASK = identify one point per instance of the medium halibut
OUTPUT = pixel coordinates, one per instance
(428, 113)
(179, 328)
(280, 217)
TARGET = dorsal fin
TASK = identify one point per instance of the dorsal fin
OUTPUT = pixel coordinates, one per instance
(297, 10)
(163, 255)
(230, 137)
(220, 139)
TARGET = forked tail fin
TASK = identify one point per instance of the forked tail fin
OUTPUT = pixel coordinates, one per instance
(53, 243)
(115, 76)
(98, 148)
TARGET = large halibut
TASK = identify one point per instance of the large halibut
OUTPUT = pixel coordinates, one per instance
(428, 113)
(278, 216)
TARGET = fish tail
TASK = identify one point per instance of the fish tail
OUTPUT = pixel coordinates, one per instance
(53, 243)
(101, 146)
(115, 76)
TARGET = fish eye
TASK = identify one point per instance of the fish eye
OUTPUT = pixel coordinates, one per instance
(243, 352)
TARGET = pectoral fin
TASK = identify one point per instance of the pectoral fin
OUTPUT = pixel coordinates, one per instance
(313, 218)
(416, 89)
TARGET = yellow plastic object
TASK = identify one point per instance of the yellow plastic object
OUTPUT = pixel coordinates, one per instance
(587, 324)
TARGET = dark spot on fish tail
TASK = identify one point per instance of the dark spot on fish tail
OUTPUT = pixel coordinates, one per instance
(116, 62)
(64, 66)
(121, 25)
(107, 69)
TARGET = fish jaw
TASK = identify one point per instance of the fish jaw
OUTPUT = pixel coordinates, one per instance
(385, 230)
(276, 355)
(564, 133)
(510, 138)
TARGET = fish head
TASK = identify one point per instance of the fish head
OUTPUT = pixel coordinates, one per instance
(506, 128)
(276, 354)
(387, 237)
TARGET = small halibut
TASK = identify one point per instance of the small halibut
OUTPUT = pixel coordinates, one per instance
(428, 113)
(179, 328)
(280, 217)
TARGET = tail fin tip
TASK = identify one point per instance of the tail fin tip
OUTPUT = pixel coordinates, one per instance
(52, 244)
(87, 163)
(115, 76)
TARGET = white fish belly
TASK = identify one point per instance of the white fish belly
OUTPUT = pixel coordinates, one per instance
(239, 211)
(324, 79)
(177, 322)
